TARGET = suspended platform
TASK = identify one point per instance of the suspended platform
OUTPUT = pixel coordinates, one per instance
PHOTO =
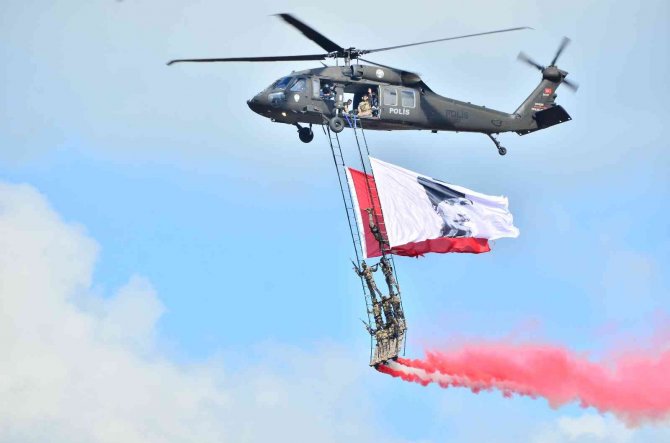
(388, 349)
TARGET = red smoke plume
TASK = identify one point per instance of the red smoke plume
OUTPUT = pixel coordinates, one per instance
(635, 387)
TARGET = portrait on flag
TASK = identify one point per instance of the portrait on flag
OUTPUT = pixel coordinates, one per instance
(452, 206)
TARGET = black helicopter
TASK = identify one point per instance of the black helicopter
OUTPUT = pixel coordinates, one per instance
(384, 98)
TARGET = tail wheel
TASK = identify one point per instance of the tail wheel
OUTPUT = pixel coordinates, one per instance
(306, 135)
(336, 124)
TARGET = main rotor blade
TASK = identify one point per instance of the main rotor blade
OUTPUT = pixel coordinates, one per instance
(312, 34)
(562, 46)
(368, 51)
(252, 59)
(524, 58)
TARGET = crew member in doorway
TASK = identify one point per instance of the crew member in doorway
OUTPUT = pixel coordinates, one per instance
(364, 107)
(328, 92)
(374, 102)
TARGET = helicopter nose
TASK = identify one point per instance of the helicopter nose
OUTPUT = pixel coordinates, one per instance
(256, 104)
(253, 104)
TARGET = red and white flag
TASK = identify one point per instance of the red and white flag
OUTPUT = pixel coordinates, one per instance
(416, 214)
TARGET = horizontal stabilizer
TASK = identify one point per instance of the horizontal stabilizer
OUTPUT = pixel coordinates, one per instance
(548, 117)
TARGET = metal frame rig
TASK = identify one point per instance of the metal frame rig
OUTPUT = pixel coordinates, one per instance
(390, 330)
(385, 314)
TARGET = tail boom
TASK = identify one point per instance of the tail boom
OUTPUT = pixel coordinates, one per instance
(539, 110)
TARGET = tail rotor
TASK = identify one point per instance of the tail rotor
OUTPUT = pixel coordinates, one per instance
(560, 49)
(552, 70)
(524, 58)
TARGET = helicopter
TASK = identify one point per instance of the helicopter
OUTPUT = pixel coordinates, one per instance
(396, 99)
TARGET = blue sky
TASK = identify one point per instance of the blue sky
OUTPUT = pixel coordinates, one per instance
(231, 234)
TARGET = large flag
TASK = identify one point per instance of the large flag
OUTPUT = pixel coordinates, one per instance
(416, 214)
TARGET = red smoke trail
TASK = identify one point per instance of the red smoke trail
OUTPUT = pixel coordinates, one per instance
(635, 387)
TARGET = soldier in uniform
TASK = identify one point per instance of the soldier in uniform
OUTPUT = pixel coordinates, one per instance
(387, 344)
(377, 314)
(364, 108)
(366, 271)
(387, 269)
(374, 228)
(374, 102)
(397, 310)
(388, 312)
(382, 335)
(345, 106)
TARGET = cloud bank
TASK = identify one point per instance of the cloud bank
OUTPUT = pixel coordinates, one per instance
(80, 367)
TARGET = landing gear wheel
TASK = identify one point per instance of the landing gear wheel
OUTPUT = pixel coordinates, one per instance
(305, 135)
(501, 149)
(336, 124)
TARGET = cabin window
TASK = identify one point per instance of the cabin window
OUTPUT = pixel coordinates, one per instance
(407, 99)
(390, 97)
(316, 88)
(299, 85)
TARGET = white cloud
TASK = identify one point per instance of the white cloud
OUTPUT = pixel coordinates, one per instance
(586, 428)
(77, 367)
(593, 426)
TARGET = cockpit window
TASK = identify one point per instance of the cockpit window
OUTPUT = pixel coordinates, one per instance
(299, 85)
(281, 83)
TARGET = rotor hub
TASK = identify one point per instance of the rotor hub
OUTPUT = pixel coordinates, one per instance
(552, 73)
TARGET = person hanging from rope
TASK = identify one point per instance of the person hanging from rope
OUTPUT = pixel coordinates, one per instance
(394, 295)
(391, 320)
(374, 228)
(387, 270)
(393, 314)
(365, 272)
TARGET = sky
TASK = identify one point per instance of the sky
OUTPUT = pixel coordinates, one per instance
(173, 267)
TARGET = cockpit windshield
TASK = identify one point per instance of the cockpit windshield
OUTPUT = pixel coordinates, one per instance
(282, 83)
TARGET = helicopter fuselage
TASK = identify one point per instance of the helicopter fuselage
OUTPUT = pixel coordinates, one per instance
(404, 102)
